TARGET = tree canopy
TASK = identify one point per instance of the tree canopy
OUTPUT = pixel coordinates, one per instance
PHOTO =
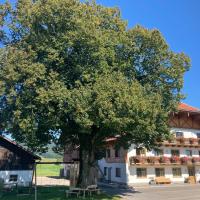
(73, 73)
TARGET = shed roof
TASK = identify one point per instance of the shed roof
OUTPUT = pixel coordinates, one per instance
(19, 147)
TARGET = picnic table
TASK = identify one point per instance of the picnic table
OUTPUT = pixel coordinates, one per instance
(77, 191)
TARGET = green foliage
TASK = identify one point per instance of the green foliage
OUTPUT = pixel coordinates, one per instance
(71, 72)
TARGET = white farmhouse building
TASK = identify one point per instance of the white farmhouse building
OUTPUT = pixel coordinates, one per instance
(177, 160)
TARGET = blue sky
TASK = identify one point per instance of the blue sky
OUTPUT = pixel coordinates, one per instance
(178, 22)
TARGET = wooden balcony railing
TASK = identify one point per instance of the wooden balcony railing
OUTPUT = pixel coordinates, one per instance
(163, 160)
(180, 141)
(115, 160)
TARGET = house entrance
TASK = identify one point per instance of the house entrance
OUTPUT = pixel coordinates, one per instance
(191, 172)
(109, 173)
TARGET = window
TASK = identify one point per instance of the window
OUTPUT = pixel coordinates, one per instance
(105, 171)
(175, 152)
(13, 178)
(118, 172)
(108, 153)
(179, 134)
(140, 152)
(160, 172)
(198, 135)
(117, 152)
(159, 152)
(141, 172)
(176, 172)
(188, 152)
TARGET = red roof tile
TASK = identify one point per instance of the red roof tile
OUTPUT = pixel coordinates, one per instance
(185, 107)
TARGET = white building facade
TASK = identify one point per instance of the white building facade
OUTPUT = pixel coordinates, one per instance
(177, 160)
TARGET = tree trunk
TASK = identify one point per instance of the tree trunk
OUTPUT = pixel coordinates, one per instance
(87, 172)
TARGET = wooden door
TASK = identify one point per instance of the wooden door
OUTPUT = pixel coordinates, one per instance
(109, 174)
(191, 172)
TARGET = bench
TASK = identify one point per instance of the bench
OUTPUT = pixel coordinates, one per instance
(93, 188)
(162, 180)
(72, 191)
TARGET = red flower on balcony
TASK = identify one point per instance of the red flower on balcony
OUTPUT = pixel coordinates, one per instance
(185, 160)
(164, 159)
(192, 140)
(175, 159)
(196, 160)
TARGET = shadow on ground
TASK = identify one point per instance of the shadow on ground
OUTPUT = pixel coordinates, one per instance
(119, 192)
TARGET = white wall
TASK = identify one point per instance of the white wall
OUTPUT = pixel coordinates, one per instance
(187, 133)
(129, 172)
(123, 179)
(24, 176)
(132, 175)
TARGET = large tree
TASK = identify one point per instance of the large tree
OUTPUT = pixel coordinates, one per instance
(72, 73)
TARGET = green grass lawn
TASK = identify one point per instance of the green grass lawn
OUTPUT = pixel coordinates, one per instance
(53, 193)
(48, 169)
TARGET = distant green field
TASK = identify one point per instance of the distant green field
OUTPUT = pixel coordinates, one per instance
(49, 169)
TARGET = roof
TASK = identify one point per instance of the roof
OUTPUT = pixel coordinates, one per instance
(34, 156)
(186, 107)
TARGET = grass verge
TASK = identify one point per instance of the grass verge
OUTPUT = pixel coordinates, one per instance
(51, 193)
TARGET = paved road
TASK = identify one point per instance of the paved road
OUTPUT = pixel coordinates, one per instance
(170, 192)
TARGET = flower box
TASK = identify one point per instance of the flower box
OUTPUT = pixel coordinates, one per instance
(186, 160)
(193, 141)
(196, 160)
(153, 160)
(175, 159)
(164, 160)
(138, 160)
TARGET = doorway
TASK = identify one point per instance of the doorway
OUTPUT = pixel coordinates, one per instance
(191, 173)
(109, 173)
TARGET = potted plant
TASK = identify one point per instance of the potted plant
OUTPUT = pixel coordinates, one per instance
(185, 160)
(164, 160)
(151, 159)
(143, 160)
(196, 160)
(192, 140)
(175, 159)
(139, 159)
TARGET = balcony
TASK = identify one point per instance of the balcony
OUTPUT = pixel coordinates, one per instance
(163, 160)
(182, 142)
(115, 160)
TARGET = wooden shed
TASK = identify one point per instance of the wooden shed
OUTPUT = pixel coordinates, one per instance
(16, 163)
